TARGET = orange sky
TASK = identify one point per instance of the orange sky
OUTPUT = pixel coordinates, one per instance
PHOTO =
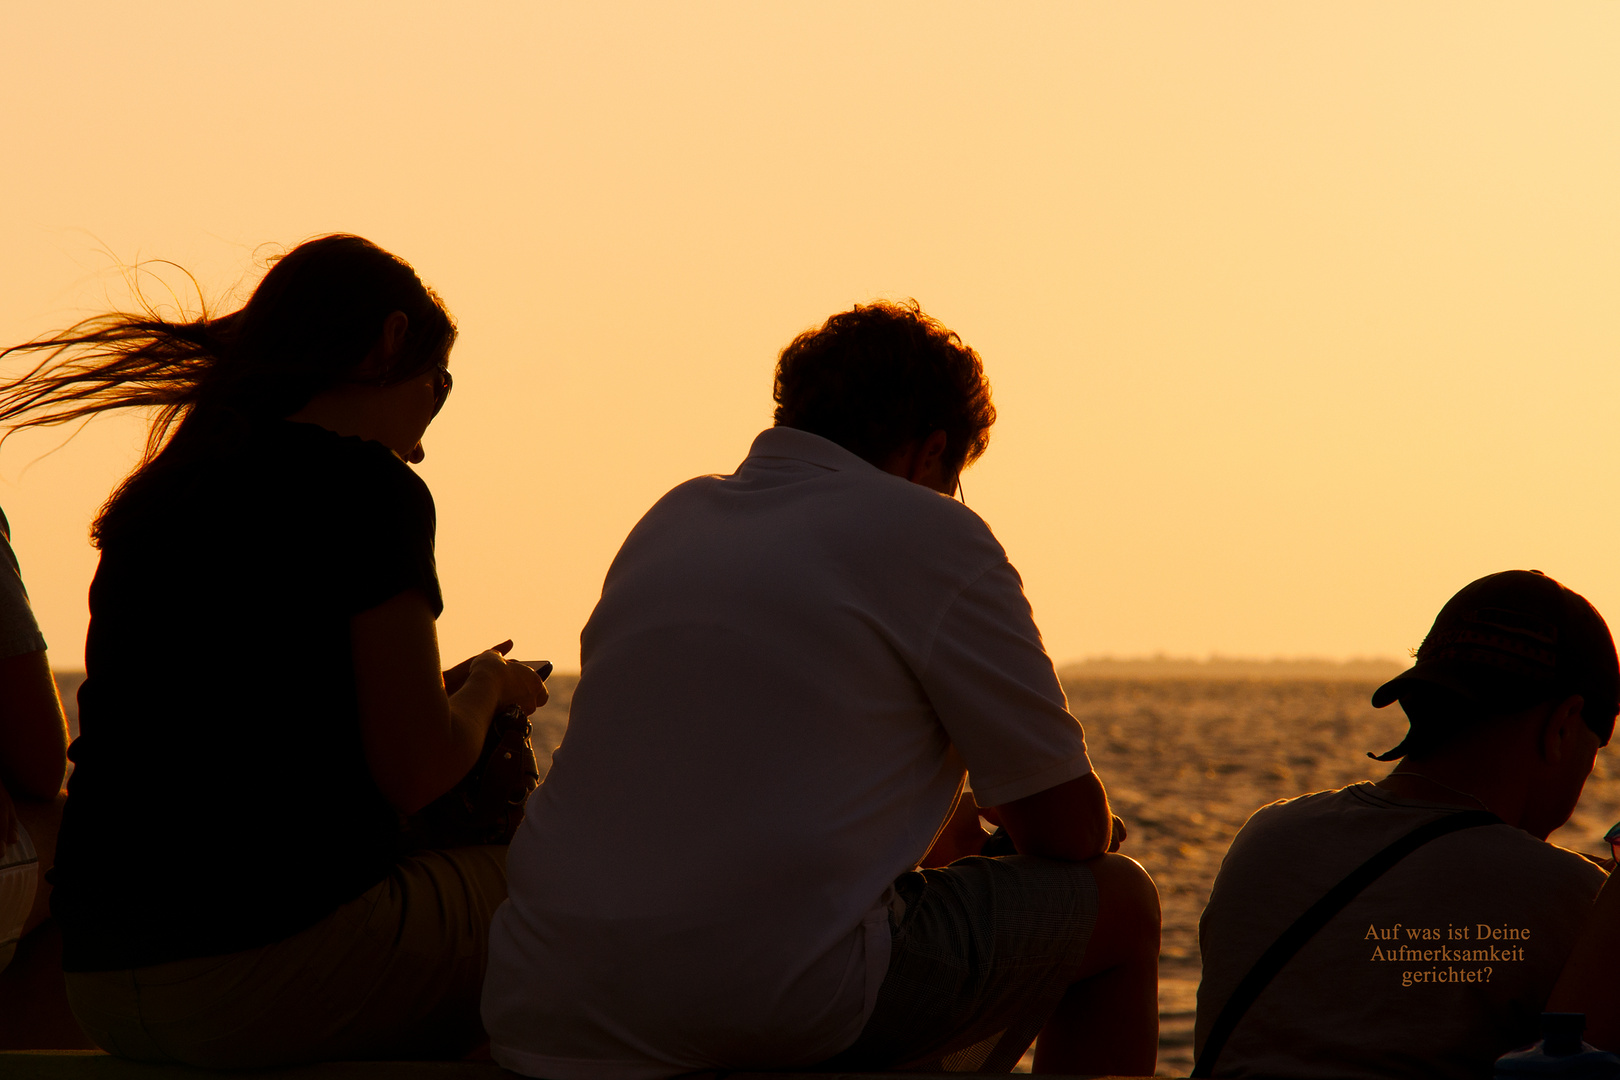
(1299, 316)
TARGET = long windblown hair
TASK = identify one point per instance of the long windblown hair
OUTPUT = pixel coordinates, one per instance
(308, 325)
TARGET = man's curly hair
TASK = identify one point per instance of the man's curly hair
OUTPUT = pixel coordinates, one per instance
(881, 375)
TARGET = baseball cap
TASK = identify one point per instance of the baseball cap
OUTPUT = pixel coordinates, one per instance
(1510, 640)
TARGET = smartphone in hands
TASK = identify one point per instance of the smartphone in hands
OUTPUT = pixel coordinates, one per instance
(454, 677)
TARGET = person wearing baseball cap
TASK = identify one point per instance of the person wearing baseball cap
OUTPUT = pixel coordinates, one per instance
(1427, 915)
(1503, 643)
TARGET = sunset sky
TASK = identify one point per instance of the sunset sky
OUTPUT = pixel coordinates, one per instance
(1299, 316)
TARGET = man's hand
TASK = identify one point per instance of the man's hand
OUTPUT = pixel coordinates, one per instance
(1070, 821)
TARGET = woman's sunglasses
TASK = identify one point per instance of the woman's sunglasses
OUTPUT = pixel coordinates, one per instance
(441, 388)
(1612, 838)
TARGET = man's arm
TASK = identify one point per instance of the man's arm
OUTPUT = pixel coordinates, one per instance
(1071, 821)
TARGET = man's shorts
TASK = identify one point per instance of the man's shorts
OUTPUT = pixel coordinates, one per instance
(982, 952)
(395, 973)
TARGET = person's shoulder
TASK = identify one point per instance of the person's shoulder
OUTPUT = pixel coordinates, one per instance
(1307, 817)
(1548, 861)
(1364, 808)
(915, 536)
(313, 441)
(1284, 813)
(1546, 877)
(683, 504)
(346, 457)
(881, 503)
(1291, 846)
(800, 475)
(350, 483)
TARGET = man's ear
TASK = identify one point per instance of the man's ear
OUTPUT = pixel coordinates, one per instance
(931, 455)
(922, 461)
(380, 359)
(1563, 722)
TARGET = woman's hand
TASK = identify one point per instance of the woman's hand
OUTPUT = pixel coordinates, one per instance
(456, 676)
(514, 683)
(419, 741)
(515, 687)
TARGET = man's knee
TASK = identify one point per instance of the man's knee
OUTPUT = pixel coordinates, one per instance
(1128, 914)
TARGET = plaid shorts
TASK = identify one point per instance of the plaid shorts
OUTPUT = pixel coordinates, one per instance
(982, 951)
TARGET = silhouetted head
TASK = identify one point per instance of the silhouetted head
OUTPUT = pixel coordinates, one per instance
(1504, 644)
(312, 321)
(880, 376)
(1514, 691)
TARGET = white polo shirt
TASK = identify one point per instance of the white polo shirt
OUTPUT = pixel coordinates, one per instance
(785, 676)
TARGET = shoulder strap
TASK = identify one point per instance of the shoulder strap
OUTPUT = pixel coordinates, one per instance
(1317, 916)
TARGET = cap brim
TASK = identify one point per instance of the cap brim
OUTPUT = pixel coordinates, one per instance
(1388, 693)
(1419, 676)
(1492, 691)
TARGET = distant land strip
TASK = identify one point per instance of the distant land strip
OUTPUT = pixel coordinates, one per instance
(1218, 668)
(1374, 669)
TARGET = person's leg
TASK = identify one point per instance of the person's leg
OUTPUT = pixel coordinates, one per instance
(989, 948)
(43, 820)
(1107, 1023)
(394, 974)
(34, 1012)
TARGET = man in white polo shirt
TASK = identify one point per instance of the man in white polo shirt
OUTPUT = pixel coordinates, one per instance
(789, 673)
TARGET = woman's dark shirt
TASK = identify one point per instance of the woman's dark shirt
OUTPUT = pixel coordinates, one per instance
(220, 798)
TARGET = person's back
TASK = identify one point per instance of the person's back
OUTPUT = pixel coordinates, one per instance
(1446, 959)
(760, 807)
(248, 564)
(788, 673)
(1439, 966)
(263, 698)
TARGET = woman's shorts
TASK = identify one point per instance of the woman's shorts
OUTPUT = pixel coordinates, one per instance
(393, 974)
(981, 954)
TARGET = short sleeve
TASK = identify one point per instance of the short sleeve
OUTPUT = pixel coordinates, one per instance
(997, 694)
(390, 517)
(19, 630)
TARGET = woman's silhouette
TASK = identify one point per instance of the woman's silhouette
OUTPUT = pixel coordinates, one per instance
(264, 701)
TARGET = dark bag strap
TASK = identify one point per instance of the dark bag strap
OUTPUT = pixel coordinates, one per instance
(1317, 916)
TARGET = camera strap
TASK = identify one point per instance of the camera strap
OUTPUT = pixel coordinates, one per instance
(1319, 915)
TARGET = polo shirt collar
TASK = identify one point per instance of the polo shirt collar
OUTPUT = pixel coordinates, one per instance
(796, 445)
